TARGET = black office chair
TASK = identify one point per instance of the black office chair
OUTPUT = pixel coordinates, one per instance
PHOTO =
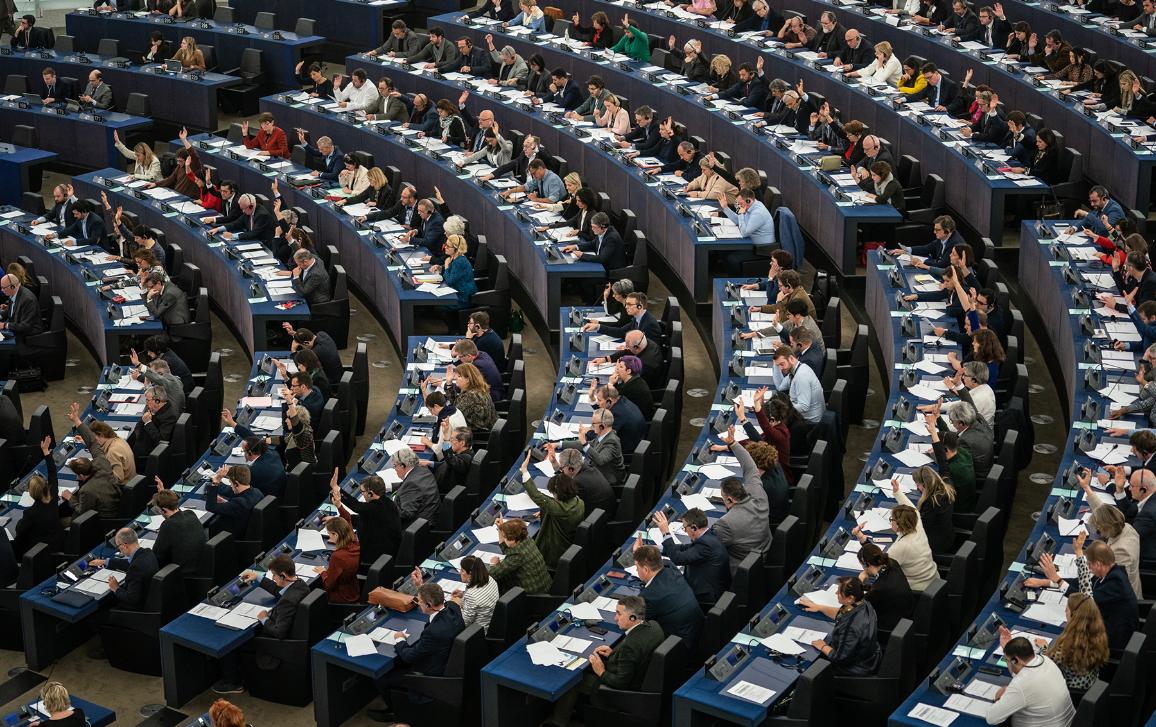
(131, 637)
(218, 562)
(811, 704)
(16, 83)
(108, 48)
(277, 670)
(333, 315)
(445, 699)
(1094, 709)
(224, 15)
(508, 621)
(138, 105)
(651, 703)
(262, 532)
(36, 566)
(1129, 683)
(49, 350)
(24, 135)
(569, 573)
(265, 20)
(64, 44)
(242, 98)
(872, 698)
(304, 26)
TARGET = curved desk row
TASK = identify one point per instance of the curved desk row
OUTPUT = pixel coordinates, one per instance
(1109, 158)
(366, 255)
(1054, 283)
(980, 195)
(52, 628)
(833, 222)
(702, 697)
(174, 98)
(232, 269)
(279, 56)
(15, 166)
(84, 139)
(342, 683)
(73, 273)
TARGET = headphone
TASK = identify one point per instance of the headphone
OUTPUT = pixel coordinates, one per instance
(632, 617)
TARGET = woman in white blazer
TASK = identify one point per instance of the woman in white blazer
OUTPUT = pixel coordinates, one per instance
(910, 549)
(885, 69)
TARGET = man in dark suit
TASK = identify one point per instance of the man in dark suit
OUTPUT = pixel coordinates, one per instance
(139, 566)
(156, 424)
(1139, 278)
(595, 491)
(1020, 141)
(640, 320)
(28, 36)
(994, 28)
(830, 41)
(1147, 20)
(808, 352)
(602, 446)
(621, 667)
(705, 561)
(873, 151)
(320, 343)
(61, 212)
(430, 654)
(858, 54)
(181, 537)
(519, 166)
(20, 315)
(332, 160)
(486, 339)
(451, 467)
(937, 253)
(749, 90)
(255, 222)
(309, 396)
(375, 517)
(52, 89)
(963, 22)
(265, 466)
(606, 248)
(669, 599)
(628, 422)
(164, 300)
(403, 211)
(156, 347)
(941, 93)
(562, 91)
(276, 623)
(470, 59)
(230, 205)
(1105, 212)
(310, 278)
(1107, 583)
(432, 233)
(86, 228)
(417, 494)
(232, 513)
(990, 128)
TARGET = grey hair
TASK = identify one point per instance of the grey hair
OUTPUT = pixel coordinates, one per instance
(622, 287)
(509, 52)
(404, 457)
(155, 275)
(962, 413)
(455, 225)
(303, 255)
(778, 84)
(302, 416)
(605, 416)
(160, 366)
(125, 536)
(976, 370)
(571, 458)
(158, 393)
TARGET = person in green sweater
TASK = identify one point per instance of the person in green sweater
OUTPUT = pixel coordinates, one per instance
(561, 512)
(954, 463)
(620, 667)
(522, 564)
(634, 42)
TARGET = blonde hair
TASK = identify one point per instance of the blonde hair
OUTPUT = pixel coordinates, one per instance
(376, 178)
(885, 48)
(38, 489)
(457, 244)
(720, 64)
(1127, 80)
(473, 377)
(934, 488)
(144, 154)
(55, 698)
(1083, 644)
(1107, 520)
(339, 527)
(611, 98)
(192, 43)
(906, 519)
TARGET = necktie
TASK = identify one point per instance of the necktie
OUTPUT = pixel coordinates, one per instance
(937, 90)
(251, 217)
(84, 228)
(989, 43)
(598, 248)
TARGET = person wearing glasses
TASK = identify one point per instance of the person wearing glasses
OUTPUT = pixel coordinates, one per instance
(20, 314)
(302, 389)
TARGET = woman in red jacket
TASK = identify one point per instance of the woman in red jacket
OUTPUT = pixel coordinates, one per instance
(340, 578)
(270, 139)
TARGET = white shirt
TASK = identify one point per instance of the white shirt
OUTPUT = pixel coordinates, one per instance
(359, 99)
(983, 398)
(1036, 697)
(888, 73)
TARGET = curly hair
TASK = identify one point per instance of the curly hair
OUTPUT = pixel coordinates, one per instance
(764, 455)
(989, 348)
(1083, 644)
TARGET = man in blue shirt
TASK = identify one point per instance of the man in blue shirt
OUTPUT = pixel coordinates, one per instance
(754, 221)
(800, 383)
(1105, 214)
(544, 185)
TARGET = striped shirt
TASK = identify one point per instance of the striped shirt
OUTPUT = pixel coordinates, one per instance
(478, 604)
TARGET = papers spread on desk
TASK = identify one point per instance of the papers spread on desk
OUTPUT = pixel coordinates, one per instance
(389, 637)
(1109, 453)
(584, 612)
(933, 715)
(751, 692)
(875, 520)
(565, 430)
(968, 705)
(309, 540)
(913, 456)
(782, 644)
(266, 423)
(544, 653)
(487, 535)
(1071, 528)
(572, 644)
(360, 645)
(699, 501)
(924, 391)
(209, 611)
(1053, 612)
(521, 501)
(717, 471)
(803, 636)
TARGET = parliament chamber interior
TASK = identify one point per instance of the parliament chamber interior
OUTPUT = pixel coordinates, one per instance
(727, 362)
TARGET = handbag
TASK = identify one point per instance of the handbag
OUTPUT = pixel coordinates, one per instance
(28, 378)
(391, 599)
(1049, 210)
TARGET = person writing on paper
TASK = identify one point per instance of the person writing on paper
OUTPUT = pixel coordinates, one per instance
(1100, 577)
(55, 702)
(480, 596)
(1081, 649)
(138, 564)
(339, 578)
(1109, 522)
(704, 560)
(910, 549)
(522, 564)
(1037, 693)
(853, 646)
(620, 667)
(281, 581)
(561, 510)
